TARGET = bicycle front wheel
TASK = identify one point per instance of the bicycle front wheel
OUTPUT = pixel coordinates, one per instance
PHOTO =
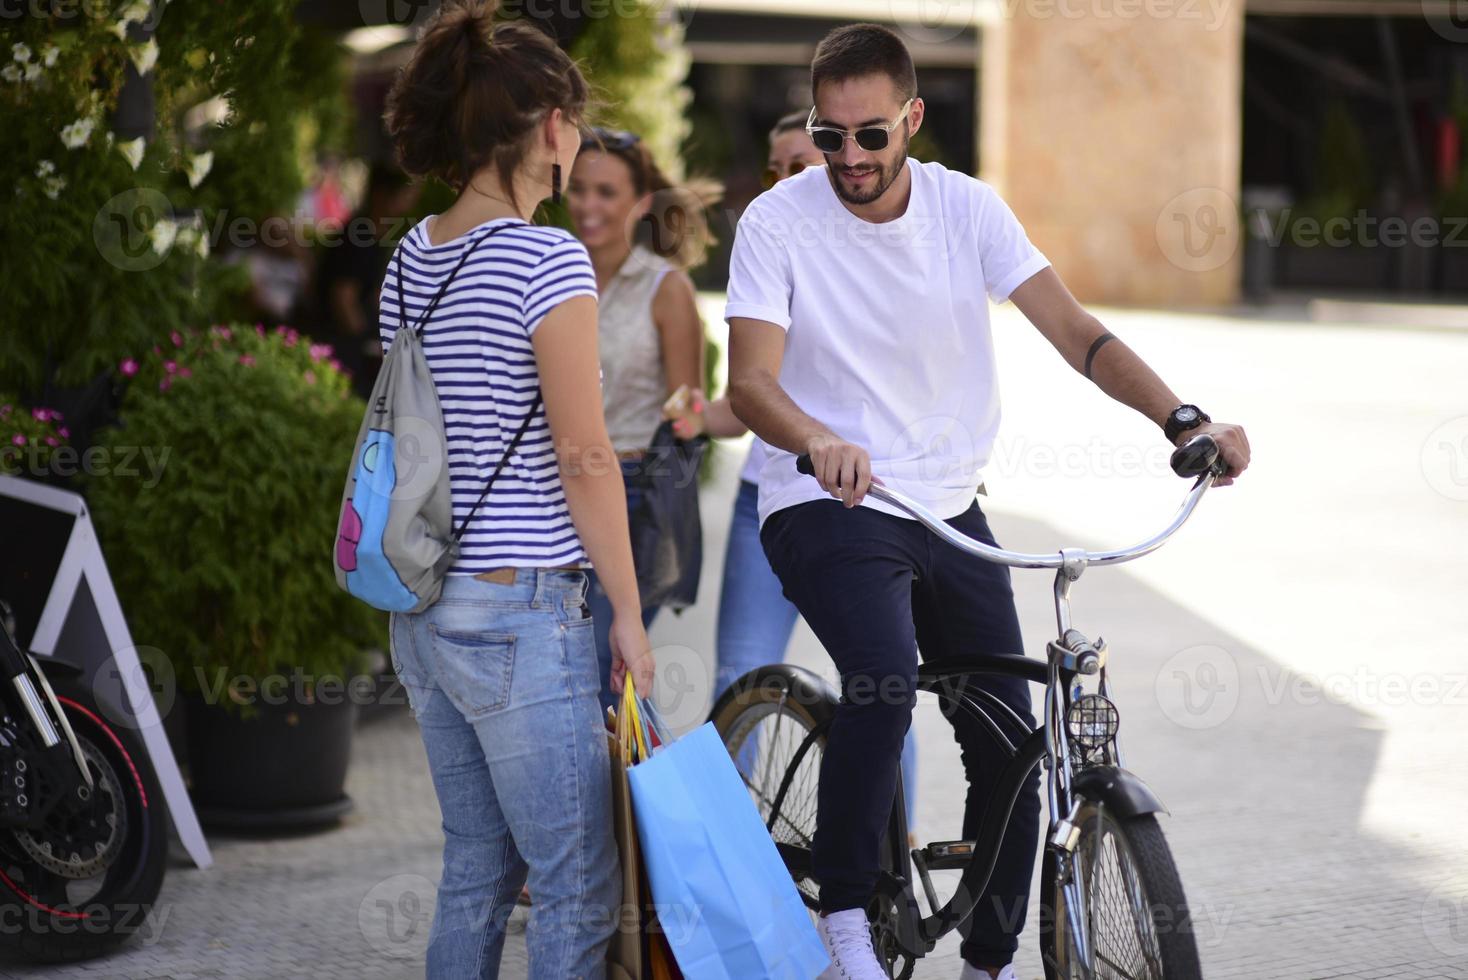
(773, 722)
(1132, 907)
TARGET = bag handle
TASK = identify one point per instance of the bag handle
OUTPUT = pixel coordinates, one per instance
(418, 331)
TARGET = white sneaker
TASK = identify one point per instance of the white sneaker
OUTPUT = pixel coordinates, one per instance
(971, 972)
(848, 940)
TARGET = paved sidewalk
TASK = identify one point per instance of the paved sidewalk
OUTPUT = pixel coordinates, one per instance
(1292, 675)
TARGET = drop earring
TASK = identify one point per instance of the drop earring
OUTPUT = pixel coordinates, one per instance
(555, 183)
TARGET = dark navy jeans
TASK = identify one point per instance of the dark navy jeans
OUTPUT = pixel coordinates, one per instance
(877, 589)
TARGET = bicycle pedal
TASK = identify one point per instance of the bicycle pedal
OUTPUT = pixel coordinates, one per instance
(947, 855)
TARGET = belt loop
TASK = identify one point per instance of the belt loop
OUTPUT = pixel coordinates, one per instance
(539, 587)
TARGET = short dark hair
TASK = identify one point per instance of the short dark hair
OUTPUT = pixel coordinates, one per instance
(790, 123)
(863, 49)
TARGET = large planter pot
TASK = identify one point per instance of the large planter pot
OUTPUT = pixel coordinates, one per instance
(284, 767)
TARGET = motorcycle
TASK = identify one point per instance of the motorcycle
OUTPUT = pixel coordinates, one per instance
(83, 825)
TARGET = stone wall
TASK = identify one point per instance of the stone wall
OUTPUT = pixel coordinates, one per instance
(1113, 129)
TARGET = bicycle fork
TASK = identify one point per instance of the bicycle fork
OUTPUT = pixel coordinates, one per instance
(1071, 654)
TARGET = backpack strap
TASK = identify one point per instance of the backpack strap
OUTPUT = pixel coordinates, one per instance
(433, 304)
(524, 424)
(418, 329)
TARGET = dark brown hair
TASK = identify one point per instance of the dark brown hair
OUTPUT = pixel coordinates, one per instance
(473, 92)
(863, 49)
(676, 226)
(790, 123)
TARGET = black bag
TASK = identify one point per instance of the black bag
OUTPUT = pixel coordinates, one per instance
(667, 535)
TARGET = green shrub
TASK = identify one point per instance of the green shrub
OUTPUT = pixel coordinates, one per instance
(224, 561)
(106, 241)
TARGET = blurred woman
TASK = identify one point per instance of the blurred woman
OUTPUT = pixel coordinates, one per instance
(643, 233)
(502, 670)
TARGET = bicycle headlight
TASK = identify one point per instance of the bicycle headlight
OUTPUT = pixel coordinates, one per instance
(1092, 721)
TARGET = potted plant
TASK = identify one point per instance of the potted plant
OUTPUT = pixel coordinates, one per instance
(216, 502)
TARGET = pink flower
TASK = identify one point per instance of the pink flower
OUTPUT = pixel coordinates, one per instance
(40, 414)
(185, 373)
(247, 360)
(128, 367)
(176, 337)
(310, 377)
(51, 441)
(319, 351)
(55, 415)
(164, 384)
(260, 329)
(18, 439)
(157, 349)
(170, 366)
(337, 365)
(4, 410)
(64, 433)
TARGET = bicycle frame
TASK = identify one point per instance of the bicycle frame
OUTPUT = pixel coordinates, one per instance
(1068, 656)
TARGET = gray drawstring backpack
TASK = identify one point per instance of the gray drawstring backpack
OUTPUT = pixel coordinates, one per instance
(395, 539)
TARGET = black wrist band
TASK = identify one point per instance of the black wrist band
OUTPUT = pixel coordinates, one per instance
(1096, 345)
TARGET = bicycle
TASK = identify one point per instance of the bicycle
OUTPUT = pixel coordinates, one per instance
(1112, 903)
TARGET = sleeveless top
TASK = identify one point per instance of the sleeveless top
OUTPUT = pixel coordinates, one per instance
(479, 352)
(633, 384)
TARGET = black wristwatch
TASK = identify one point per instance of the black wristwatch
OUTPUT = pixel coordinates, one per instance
(1183, 418)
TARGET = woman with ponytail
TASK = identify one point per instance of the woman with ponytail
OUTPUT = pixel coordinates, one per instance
(643, 233)
(502, 671)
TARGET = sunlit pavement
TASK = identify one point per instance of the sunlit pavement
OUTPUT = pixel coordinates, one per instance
(1292, 672)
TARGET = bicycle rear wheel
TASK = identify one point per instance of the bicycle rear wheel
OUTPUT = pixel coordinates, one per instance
(1134, 909)
(773, 722)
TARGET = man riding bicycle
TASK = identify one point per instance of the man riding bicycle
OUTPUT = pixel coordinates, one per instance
(859, 334)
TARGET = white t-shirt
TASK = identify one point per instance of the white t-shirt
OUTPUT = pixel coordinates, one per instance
(887, 326)
(755, 461)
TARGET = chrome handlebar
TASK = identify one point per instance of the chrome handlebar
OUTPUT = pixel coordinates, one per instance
(1198, 456)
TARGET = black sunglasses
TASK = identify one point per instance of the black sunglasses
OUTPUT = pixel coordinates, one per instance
(829, 139)
(773, 176)
(611, 139)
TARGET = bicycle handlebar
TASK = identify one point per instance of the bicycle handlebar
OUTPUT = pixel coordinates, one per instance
(1198, 457)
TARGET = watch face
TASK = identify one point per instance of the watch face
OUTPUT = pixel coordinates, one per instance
(1186, 414)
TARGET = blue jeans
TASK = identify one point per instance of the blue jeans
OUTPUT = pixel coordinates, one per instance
(502, 680)
(756, 620)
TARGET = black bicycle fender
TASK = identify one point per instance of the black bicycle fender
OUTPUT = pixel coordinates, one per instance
(805, 687)
(1119, 790)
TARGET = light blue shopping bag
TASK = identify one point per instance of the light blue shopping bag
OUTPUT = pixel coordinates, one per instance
(724, 897)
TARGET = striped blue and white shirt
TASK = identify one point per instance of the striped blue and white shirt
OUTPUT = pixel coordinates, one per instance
(478, 349)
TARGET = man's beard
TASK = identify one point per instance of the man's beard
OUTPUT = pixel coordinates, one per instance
(886, 174)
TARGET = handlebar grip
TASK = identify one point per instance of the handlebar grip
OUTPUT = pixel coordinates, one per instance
(1197, 456)
(804, 465)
